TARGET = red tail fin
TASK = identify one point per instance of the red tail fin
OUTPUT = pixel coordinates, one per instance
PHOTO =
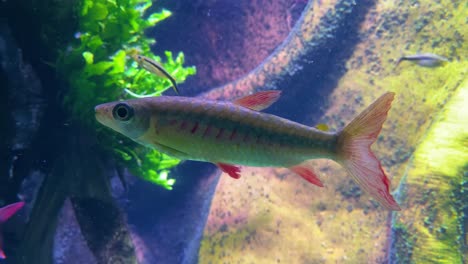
(355, 154)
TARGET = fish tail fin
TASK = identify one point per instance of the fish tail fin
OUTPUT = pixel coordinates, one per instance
(355, 155)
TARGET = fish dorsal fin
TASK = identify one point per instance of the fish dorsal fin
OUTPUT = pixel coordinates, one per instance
(259, 101)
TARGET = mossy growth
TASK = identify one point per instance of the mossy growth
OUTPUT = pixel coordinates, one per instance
(437, 182)
(402, 243)
(459, 196)
(98, 68)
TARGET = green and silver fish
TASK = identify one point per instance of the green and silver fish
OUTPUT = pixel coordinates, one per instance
(235, 133)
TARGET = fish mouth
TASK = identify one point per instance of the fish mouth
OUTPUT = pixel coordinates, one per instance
(100, 114)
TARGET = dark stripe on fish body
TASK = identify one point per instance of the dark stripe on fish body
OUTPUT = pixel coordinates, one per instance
(153, 64)
(161, 70)
(265, 137)
(207, 130)
(220, 133)
(233, 134)
(262, 129)
(194, 129)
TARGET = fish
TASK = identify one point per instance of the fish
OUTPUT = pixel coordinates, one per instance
(236, 133)
(155, 68)
(425, 59)
(5, 213)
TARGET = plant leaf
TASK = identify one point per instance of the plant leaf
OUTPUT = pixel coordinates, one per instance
(89, 57)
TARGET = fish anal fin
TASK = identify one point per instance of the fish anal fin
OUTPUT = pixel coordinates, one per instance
(259, 101)
(231, 170)
(2, 254)
(9, 210)
(306, 172)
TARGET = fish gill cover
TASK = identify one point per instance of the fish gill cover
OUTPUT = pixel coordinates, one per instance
(99, 69)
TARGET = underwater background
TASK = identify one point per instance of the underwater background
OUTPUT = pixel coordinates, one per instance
(94, 196)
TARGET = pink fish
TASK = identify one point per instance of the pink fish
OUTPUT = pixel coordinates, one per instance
(236, 133)
(5, 213)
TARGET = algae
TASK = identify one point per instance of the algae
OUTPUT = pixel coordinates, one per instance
(437, 178)
(98, 68)
(403, 243)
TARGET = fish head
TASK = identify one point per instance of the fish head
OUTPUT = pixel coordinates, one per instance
(130, 118)
(138, 58)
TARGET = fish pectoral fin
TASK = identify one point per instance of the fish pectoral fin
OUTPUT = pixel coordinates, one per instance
(259, 101)
(170, 151)
(231, 170)
(2, 254)
(306, 172)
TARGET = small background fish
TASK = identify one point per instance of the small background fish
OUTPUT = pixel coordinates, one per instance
(154, 67)
(424, 59)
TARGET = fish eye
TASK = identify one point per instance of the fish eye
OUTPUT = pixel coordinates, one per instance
(122, 112)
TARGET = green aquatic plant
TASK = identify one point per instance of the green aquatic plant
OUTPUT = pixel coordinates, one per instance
(99, 69)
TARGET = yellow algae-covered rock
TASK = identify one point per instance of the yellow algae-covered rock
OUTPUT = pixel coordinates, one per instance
(282, 219)
(273, 216)
(434, 190)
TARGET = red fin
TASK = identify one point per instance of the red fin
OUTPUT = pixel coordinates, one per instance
(355, 155)
(9, 210)
(259, 101)
(233, 171)
(5, 213)
(307, 173)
